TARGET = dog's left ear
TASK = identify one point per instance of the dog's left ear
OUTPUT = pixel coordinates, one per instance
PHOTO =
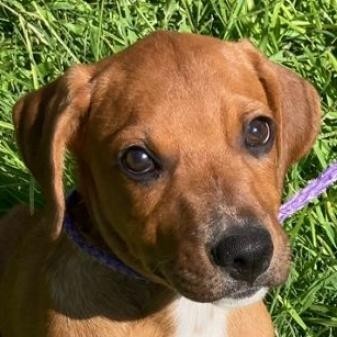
(295, 104)
(46, 122)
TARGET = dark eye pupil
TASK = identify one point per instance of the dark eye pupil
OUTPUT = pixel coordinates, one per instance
(258, 133)
(138, 161)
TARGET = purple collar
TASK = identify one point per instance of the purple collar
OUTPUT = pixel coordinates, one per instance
(102, 256)
(315, 188)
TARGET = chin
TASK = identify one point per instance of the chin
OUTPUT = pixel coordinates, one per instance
(242, 298)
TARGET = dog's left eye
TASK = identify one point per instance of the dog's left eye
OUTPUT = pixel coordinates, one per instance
(258, 134)
(137, 162)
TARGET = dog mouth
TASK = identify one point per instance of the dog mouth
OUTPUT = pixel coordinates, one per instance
(227, 295)
(242, 298)
(245, 293)
(213, 289)
(207, 285)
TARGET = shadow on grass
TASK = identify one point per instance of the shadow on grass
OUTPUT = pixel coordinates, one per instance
(17, 187)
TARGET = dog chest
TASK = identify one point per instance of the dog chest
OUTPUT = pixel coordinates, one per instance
(199, 319)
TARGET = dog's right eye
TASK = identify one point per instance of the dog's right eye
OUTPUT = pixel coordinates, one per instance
(138, 163)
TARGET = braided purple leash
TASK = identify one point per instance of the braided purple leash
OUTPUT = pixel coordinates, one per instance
(315, 188)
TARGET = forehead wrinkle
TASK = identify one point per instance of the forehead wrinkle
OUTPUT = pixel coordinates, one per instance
(130, 123)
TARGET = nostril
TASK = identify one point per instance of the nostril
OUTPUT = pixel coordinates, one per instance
(216, 256)
(239, 263)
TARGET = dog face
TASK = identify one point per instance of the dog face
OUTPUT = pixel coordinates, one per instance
(182, 144)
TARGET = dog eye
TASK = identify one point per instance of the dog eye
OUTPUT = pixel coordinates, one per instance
(258, 132)
(137, 162)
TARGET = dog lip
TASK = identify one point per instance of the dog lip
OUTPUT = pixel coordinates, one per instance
(245, 293)
(242, 298)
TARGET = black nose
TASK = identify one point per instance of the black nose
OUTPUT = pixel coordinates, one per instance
(244, 252)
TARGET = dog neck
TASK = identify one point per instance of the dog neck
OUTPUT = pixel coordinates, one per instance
(75, 229)
(128, 296)
(89, 294)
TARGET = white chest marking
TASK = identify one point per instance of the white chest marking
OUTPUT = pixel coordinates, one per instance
(199, 319)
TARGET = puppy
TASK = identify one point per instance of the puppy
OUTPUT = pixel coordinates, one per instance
(182, 143)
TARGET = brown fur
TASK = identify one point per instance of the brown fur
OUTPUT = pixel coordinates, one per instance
(252, 321)
(186, 96)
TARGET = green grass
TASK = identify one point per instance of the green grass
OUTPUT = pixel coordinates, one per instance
(39, 39)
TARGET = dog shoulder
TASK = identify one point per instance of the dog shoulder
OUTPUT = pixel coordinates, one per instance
(13, 226)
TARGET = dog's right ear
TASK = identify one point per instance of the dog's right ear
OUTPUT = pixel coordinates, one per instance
(46, 121)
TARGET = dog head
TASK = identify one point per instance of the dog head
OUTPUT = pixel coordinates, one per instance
(182, 143)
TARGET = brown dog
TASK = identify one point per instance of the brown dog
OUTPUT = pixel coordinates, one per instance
(182, 143)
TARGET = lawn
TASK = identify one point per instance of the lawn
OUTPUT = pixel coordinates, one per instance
(39, 39)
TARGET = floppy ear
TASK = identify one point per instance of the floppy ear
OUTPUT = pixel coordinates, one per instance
(295, 104)
(46, 121)
(300, 114)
